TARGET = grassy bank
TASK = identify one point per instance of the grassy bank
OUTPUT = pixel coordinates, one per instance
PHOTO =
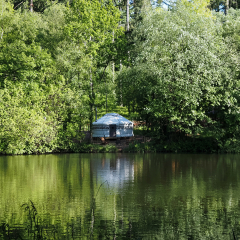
(144, 142)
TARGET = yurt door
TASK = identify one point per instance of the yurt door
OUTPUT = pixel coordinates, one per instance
(112, 130)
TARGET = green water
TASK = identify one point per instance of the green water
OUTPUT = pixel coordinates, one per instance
(120, 196)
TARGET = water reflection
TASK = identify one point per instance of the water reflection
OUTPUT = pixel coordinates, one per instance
(117, 171)
(120, 196)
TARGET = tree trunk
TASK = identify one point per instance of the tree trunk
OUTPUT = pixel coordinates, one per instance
(92, 100)
(113, 63)
(31, 5)
(127, 15)
(227, 7)
(106, 94)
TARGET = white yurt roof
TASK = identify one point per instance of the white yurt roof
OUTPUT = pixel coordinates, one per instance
(112, 118)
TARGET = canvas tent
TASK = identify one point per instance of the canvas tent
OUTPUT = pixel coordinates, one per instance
(112, 125)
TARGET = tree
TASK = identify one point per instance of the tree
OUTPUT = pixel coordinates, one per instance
(35, 5)
(223, 5)
(38, 77)
(91, 26)
(181, 72)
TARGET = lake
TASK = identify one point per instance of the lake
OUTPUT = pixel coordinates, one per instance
(120, 196)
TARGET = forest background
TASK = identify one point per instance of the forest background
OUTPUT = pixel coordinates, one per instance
(175, 68)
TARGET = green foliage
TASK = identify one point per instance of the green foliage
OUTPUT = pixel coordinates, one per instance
(93, 26)
(140, 147)
(191, 145)
(24, 127)
(184, 77)
(38, 5)
(95, 148)
(176, 70)
(47, 62)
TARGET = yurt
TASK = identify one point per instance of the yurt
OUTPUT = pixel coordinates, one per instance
(112, 125)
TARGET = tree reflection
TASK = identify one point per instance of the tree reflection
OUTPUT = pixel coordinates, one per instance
(120, 196)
